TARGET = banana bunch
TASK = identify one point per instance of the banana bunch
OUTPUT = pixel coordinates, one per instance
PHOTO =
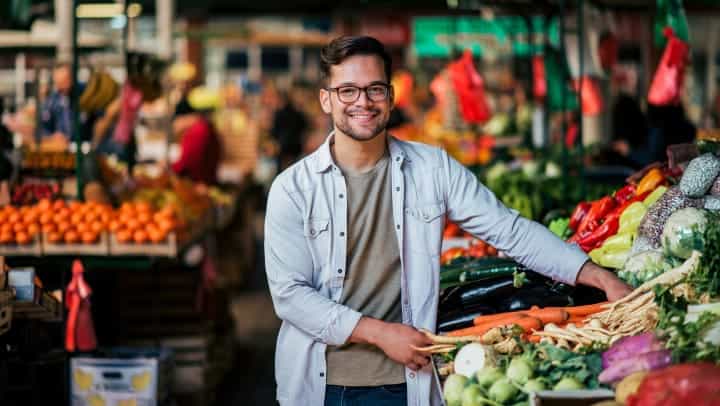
(99, 92)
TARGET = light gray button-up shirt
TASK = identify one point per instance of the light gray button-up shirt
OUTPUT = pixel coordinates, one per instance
(305, 257)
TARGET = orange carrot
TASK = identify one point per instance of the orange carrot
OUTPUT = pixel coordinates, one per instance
(585, 310)
(494, 317)
(480, 329)
(523, 321)
(533, 338)
(555, 315)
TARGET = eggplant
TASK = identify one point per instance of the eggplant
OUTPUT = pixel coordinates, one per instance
(527, 297)
(462, 318)
(475, 293)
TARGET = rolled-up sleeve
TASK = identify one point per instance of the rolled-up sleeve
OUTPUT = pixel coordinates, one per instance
(289, 268)
(476, 209)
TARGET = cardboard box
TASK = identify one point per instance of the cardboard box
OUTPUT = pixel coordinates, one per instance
(126, 376)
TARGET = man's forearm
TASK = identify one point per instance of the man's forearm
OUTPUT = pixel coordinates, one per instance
(366, 331)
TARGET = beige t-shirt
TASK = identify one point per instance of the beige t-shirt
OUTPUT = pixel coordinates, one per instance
(372, 282)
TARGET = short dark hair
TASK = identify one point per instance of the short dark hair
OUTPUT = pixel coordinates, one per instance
(342, 48)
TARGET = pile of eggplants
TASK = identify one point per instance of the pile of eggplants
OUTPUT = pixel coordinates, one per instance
(461, 302)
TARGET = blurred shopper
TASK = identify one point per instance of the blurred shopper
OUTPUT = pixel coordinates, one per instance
(289, 129)
(199, 142)
(56, 113)
(338, 224)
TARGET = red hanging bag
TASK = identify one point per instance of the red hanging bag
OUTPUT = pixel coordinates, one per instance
(668, 80)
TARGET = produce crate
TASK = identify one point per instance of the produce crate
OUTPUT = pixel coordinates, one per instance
(100, 248)
(33, 249)
(47, 308)
(169, 248)
(6, 311)
(122, 376)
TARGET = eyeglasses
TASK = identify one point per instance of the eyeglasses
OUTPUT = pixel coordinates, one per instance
(349, 94)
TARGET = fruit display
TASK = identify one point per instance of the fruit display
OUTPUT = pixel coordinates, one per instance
(139, 223)
(31, 192)
(74, 222)
(19, 225)
(46, 161)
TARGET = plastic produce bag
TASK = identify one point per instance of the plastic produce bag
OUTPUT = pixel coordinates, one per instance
(468, 85)
(80, 332)
(668, 80)
(539, 80)
(592, 101)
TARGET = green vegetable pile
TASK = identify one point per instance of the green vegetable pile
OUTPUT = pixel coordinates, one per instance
(561, 227)
(539, 367)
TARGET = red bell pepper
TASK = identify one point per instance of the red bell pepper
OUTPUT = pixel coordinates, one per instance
(598, 210)
(452, 253)
(624, 193)
(608, 228)
(581, 210)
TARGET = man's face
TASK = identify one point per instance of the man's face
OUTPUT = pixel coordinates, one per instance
(362, 119)
(62, 79)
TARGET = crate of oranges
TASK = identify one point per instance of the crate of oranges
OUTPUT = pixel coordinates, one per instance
(19, 231)
(139, 229)
(74, 228)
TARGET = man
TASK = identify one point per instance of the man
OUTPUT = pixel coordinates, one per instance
(56, 115)
(353, 236)
(288, 129)
(199, 147)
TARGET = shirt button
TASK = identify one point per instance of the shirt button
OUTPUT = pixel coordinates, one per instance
(397, 159)
(322, 374)
(312, 231)
(339, 270)
(342, 234)
(397, 226)
(341, 195)
(397, 189)
(412, 375)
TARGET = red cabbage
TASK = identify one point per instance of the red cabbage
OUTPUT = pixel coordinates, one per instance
(629, 347)
(648, 361)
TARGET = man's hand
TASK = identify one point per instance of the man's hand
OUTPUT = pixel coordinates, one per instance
(596, 276)
(394, 339)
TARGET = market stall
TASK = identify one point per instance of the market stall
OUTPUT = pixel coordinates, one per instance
(659, 232)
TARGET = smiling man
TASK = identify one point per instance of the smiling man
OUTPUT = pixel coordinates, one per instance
(352, 245)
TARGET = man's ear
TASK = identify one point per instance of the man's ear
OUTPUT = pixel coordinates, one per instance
(392, 96)
(325, 102)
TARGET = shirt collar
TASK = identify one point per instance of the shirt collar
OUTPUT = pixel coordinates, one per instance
(325, 160)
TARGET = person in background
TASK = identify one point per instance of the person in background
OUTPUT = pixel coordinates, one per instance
(56, 113)
(289, 126)
(199, 143)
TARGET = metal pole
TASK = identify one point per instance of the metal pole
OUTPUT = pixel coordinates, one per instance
(20, 79)
(64, 12)
(164, 21)
(75, 111)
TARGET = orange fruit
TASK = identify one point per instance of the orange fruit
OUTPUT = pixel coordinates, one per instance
(132, 224)
(106, 217)
(89, 237)
(166, 225)
(82, 227)
(72, 237)
(63, 227)
(114, 225)
(44, 204)
(48, 228)
(127, 207)
(14, 217)
(91, 216)
(46, 218)
(140, 237)
(33, 229)
(74, 205)
(54, 237)
(76, 218)
(97, 227)
(123, 236)
(6, 238)
(61, 216)
(22, 238)
(18, 227)
(156, 236)
(6, 228)
(3, 217)
(58, 204)
(144, 217)
(143, 207)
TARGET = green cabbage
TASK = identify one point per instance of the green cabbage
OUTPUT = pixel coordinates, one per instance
(683, 232)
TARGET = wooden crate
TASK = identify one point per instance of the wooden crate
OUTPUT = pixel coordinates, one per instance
(101, 247)
(28, 250)
(48, 309)
(169, 248)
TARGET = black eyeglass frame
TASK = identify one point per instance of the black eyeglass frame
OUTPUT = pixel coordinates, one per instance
(388, 88)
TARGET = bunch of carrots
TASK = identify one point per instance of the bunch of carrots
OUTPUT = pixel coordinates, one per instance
(531, 320)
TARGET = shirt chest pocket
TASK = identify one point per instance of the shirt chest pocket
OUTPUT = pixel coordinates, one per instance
(423, 228)
(317, 235)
